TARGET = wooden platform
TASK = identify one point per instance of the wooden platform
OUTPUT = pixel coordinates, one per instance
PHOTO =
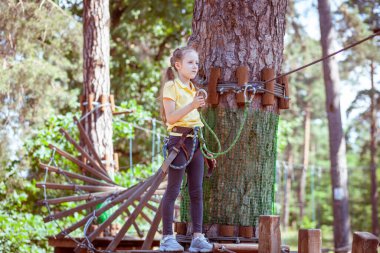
(67, 245)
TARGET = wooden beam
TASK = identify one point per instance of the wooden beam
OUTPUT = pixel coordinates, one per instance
(364, 242)
(269, 234)
(75, 187)
(309, 241)
(83, 152)
(89, 196)
(118, 199)
(129, 200)
(153, 229)
(158, 179)
(73, 175)
(82, 165)
(79, 208)
(88, 142)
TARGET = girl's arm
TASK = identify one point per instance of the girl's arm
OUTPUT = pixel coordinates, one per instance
(172, 115)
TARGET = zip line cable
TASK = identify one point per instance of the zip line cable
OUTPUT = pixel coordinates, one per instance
(325, 57)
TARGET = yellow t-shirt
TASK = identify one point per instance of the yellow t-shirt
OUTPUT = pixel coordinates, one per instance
(182, 95)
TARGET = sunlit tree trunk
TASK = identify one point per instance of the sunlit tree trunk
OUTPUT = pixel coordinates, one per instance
(306, 152)
(373, 148)
(337, 142)
(96, 79)
(288, 186)
(229, 34)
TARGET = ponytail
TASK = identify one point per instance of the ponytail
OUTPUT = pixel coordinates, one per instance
(170, 75)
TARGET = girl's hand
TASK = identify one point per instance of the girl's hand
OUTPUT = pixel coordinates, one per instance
(198, 101)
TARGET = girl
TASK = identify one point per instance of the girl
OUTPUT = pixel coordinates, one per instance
(179, 112)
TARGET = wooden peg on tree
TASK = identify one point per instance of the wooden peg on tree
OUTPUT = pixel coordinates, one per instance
(242, 74)
(90, 101)
(268, 97)
(103, 101)
(213, 96)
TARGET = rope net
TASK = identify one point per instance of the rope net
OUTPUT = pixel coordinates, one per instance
(242, 186)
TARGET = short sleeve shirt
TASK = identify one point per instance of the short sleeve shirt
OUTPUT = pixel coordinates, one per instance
(182, 95)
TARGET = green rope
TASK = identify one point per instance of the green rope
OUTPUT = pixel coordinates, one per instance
(206, 151)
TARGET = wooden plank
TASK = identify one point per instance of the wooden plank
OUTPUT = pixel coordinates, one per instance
(73, 175)
(128, 242)
(269, 234)
(238, 248)
(83, 152)
(309, 241)
(153, 229)
(79, 208)
(138, 231)
(158, 179)
(144, 215)
(136, 194)
(82, 165)
(88, 142)
(75, 187)
(364, 242)
(60, 200)
(118, 199)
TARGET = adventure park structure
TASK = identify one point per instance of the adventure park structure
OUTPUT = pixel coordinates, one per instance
(241, 62)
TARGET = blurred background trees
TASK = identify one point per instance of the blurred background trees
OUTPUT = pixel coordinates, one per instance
(41, 78)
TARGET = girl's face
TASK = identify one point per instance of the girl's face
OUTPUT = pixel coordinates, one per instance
(188, 67)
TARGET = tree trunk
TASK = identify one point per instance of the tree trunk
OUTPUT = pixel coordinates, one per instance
(306, 151)
(288, 173)
(96, 79)
(373, 148)
(337, 142)
(229, 34)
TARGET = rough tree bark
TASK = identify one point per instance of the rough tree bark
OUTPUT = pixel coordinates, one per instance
(229, 34)
(373, 148)
(96, 79)
(337, 142)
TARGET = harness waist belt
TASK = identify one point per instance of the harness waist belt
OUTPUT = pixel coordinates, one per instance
(179, 131)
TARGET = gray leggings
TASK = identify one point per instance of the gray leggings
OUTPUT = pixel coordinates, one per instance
(195, 179)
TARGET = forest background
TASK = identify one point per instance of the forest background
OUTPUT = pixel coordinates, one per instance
(41, 46)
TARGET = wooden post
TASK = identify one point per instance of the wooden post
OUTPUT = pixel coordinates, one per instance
(269, 234)
(309, 241)
(364, 242)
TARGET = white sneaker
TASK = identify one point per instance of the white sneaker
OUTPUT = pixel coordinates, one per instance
(200, 244)
(169, 243)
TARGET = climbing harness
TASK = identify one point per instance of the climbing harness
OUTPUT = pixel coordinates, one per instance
(183, 166)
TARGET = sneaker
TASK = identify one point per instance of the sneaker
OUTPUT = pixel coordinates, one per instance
(200, 244)
(169, 243)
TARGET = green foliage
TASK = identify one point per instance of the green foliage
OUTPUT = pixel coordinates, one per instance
(21, 230)
(41, 69)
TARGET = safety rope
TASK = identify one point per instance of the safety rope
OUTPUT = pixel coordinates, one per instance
(209, 154)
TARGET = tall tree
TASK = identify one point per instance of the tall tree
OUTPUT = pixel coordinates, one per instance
(359, 18)
(244, 33)
(96, 78)
(336, 137)
(373, 151)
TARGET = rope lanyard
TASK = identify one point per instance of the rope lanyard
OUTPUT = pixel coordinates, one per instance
(211, 154)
